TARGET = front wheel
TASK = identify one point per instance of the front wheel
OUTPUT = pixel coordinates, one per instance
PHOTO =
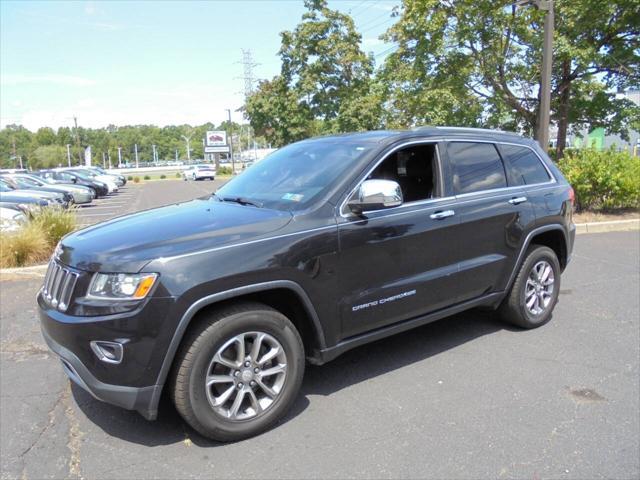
(238, 372)
(535, 290)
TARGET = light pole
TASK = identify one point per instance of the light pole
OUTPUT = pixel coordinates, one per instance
(155, 158)
(135, 148)
(119, 157)
(547, 60)
(188, 140)
(230, 135)
(69, 154)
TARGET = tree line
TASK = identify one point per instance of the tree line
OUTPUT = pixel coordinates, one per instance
(469, 63)
(48, 148)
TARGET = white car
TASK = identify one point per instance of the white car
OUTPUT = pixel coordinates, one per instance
(10, 219)
(199, 172)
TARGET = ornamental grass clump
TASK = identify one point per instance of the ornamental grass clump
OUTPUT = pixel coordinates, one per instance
(26, 246)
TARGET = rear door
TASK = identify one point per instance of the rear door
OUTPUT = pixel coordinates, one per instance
(493, 215)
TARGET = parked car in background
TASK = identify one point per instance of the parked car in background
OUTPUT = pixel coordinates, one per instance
(9, 190)
(22, 184)
(80, 193)
(100, 188)
(121, 180)
(11, 219)
(24, 205)
(108, 180)
(199, 172)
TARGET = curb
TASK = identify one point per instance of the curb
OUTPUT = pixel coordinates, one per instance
(593, 227)
(612, 226)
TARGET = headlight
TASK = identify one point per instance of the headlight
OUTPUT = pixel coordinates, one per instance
(121, 286)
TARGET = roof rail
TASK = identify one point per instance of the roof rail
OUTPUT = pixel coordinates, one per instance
(467, 129)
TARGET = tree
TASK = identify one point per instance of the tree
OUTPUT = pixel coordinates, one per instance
(48, 156)
(324, 85)
(486, 54)
(275, 112)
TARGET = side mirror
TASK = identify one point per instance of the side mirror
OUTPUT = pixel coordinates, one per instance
(376, 195)
(74, 180)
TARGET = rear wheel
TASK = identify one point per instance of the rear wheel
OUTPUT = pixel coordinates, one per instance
(238, 372)
(535, 291)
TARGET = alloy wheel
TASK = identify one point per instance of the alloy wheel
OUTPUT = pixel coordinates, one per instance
(539, 287)
(246, 375)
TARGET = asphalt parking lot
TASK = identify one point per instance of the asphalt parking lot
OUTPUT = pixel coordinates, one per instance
(134, 197)
(466, 397)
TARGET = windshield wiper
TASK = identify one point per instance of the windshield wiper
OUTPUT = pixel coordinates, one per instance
(242, 201)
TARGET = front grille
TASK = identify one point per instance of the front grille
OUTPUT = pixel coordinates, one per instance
(58, 286)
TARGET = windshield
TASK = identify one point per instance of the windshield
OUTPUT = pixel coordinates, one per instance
(294, 176)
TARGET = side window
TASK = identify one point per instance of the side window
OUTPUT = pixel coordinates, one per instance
(475, 167)
(524, 166)
(415, 170)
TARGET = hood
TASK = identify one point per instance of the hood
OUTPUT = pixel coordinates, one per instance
(126, 244)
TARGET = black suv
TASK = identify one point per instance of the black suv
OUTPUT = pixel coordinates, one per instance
(325, 245)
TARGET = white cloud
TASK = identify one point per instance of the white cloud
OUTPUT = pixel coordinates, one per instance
(57, 79)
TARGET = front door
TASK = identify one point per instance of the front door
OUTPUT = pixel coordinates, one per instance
(401, 262)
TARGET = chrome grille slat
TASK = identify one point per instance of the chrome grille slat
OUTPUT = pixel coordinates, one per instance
(58, 287)
(46, 279)
(67, 290)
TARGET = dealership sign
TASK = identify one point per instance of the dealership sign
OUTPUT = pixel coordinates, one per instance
(216, 138)
(221, 149)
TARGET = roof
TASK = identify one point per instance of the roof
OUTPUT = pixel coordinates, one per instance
(385, 136)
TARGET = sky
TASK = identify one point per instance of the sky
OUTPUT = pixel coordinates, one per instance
(160, 62)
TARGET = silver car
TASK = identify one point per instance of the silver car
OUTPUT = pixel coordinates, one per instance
(80, 193)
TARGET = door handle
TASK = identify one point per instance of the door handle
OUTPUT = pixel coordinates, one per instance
(443, 214)
(517, 200)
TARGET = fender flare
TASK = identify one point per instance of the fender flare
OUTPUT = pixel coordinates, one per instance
(226, 295)
(527, 242)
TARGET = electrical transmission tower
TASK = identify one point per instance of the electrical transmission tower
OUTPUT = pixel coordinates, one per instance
(249, 79)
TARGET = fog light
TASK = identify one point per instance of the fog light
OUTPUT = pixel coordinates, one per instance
(109, 352)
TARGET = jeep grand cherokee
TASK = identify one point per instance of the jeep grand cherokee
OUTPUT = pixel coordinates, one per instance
(325, 245)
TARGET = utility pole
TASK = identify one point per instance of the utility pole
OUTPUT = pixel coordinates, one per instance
(69, 154)
(545, 84)
(75, 120)
(135, 148)
(230, 137)
(188, 140)
(542, 134)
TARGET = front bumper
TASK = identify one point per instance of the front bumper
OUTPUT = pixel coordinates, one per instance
(144, 400)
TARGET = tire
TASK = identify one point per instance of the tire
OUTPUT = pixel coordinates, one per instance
(196, 360)
(514, 308)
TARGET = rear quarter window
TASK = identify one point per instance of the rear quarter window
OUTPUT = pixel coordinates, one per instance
(524, 166)
(475, 167)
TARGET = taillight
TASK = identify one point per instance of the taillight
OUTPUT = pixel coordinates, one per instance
(572, 197)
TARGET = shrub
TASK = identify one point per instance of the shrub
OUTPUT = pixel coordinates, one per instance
(136, 179)
(147, 177)
(178, 175)
(129, 178)
(55, 223)
(224, 171)
(163, 176)
(23, 247)
(602, 180)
